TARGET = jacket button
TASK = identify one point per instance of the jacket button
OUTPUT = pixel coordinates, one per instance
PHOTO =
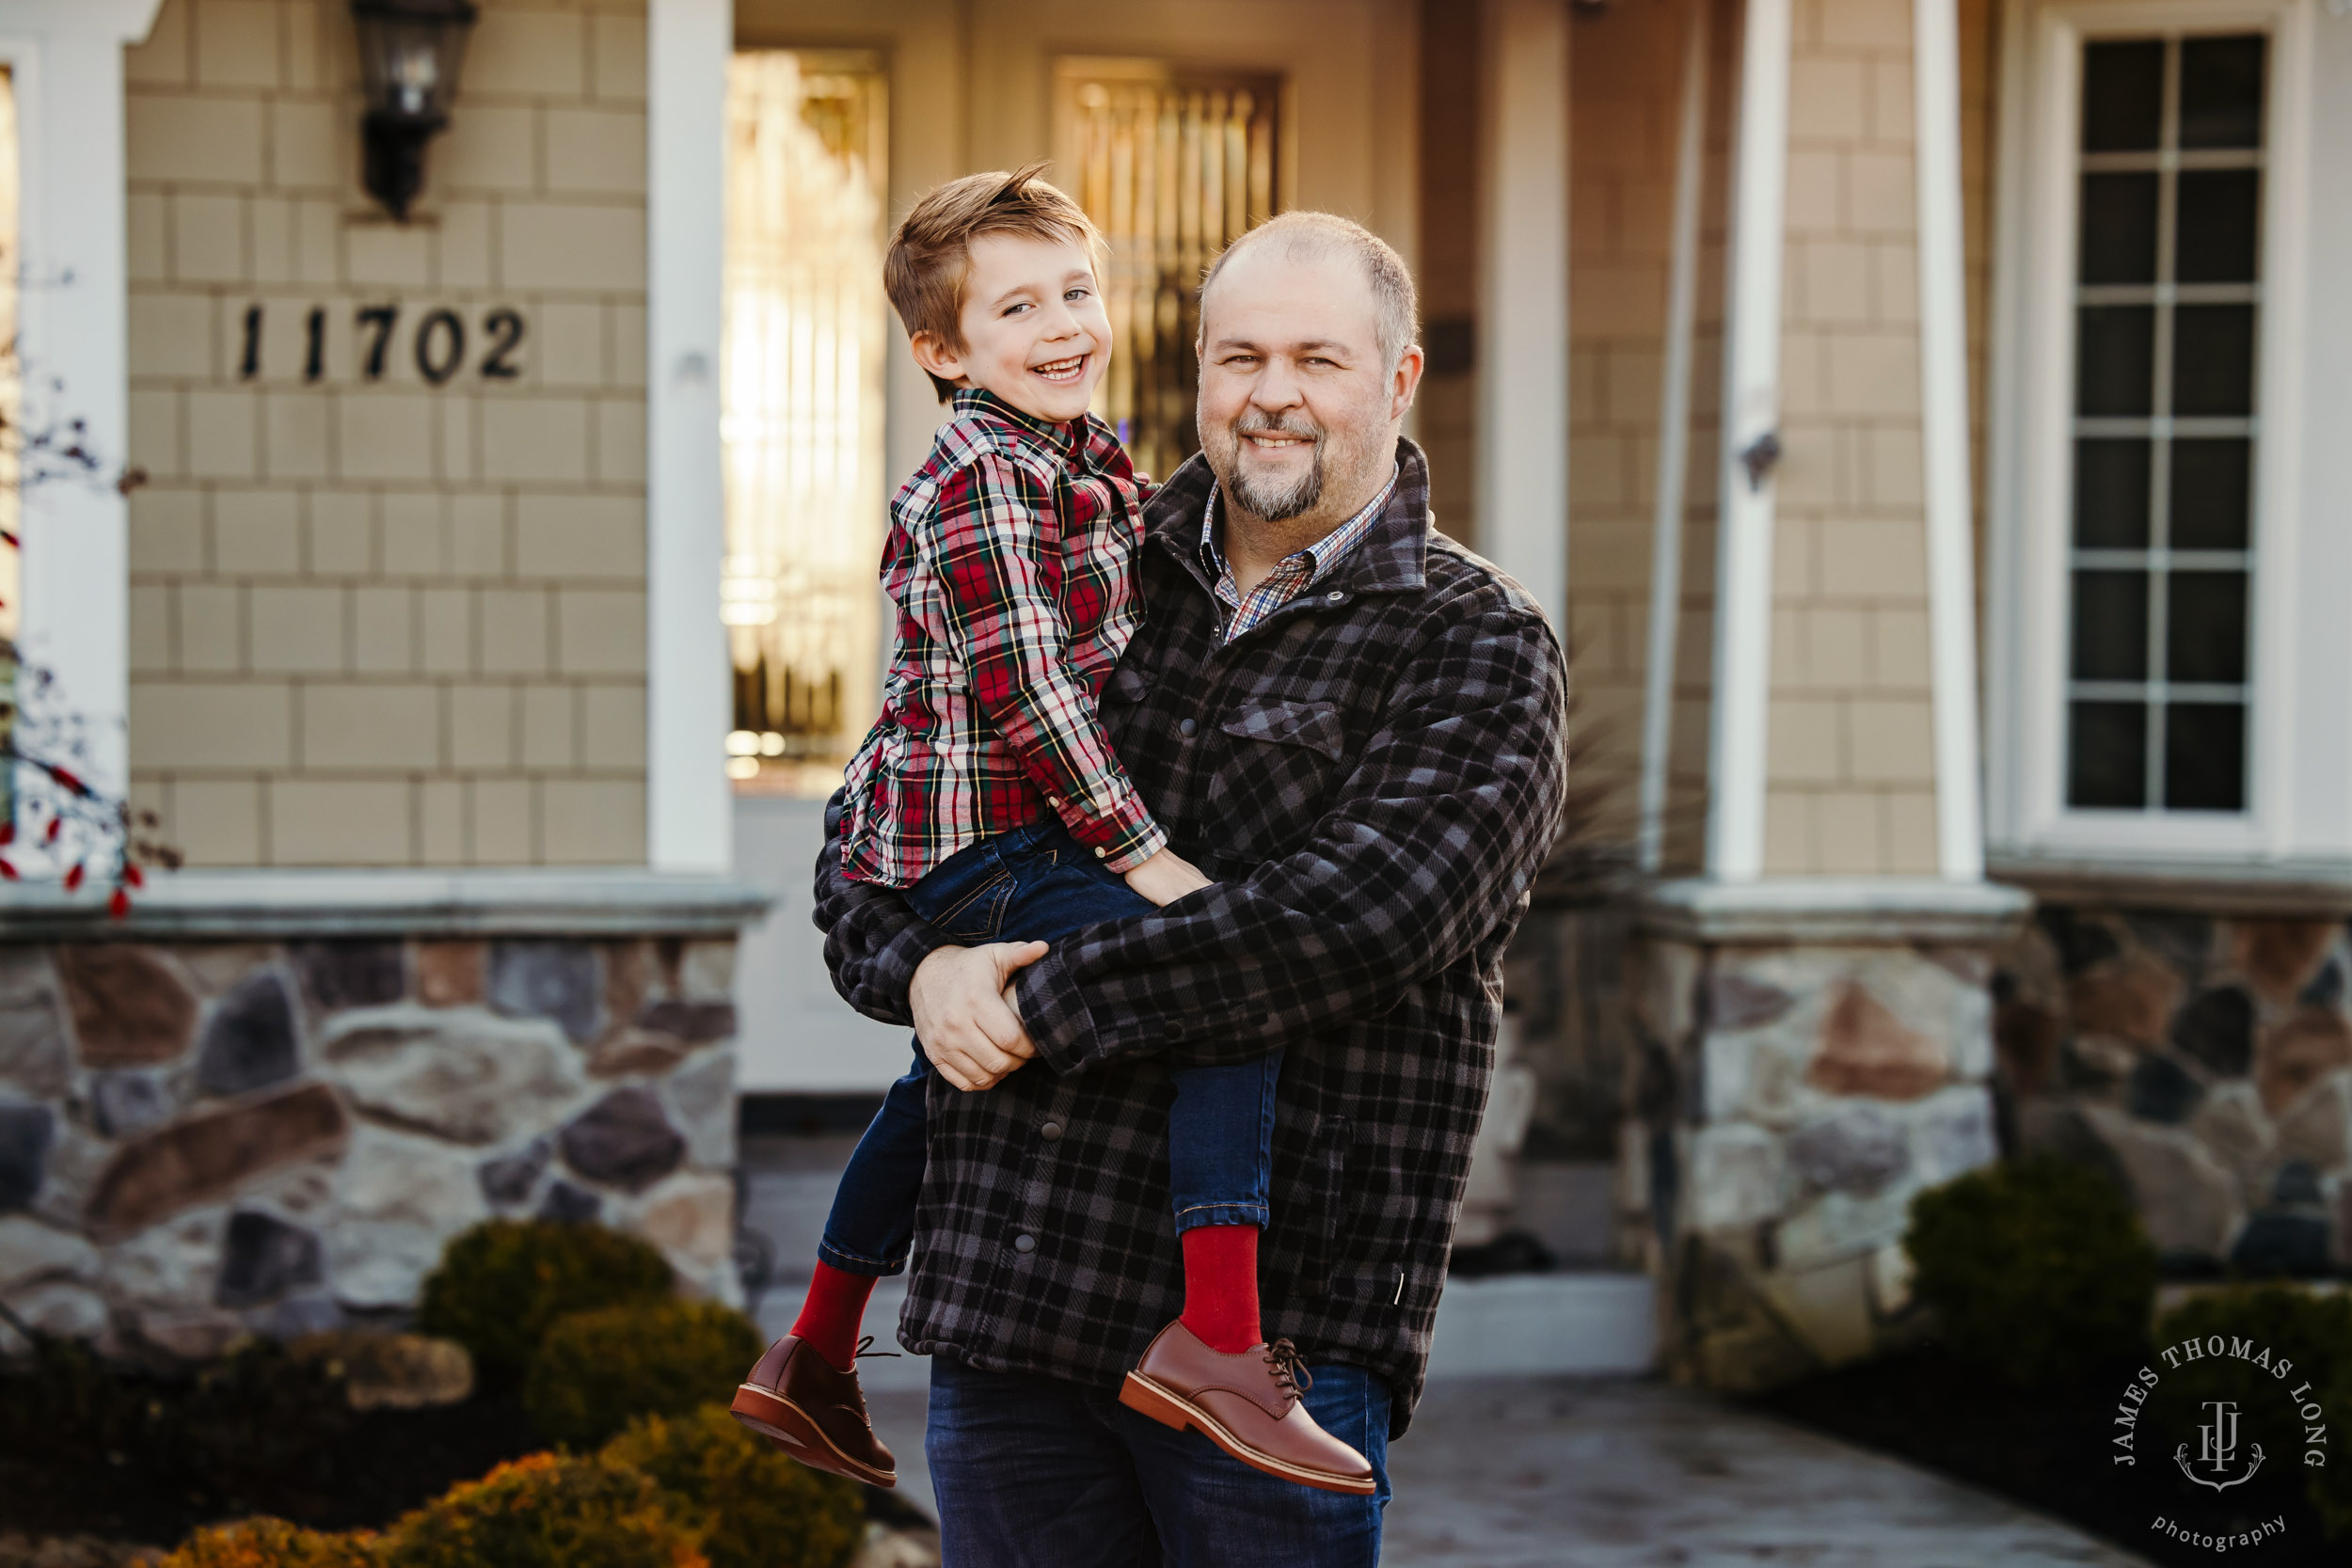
(1050, 1131)
(1172, 1029)
(1025, 1242)
(1186, 728)
(1053, 800)
(1334, 596)
(1101, 854)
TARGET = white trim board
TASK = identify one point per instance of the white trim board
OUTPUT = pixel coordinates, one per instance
(2299, 729)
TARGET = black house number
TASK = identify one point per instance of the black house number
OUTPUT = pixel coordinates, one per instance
(437, 341)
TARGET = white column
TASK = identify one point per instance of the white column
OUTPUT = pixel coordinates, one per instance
(73, 304)
(1674, 429)
(1743, 576)
(1523, 296)
(1944, 420)
(689, 812)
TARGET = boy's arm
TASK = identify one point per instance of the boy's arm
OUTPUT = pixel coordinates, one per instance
(1435, 837)
(996, 523)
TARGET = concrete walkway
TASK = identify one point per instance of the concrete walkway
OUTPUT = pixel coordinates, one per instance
(1559, 1473)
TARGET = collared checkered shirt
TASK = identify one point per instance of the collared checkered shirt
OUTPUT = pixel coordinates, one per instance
(1010, 559)
(1293, 576)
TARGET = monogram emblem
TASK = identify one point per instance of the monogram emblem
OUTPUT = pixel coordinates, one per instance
(2216, 1449)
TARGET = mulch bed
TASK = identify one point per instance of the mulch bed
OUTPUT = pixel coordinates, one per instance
(385, 1462)
(2044, 1447)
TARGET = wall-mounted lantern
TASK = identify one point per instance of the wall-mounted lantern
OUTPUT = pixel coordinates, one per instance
(409, 56)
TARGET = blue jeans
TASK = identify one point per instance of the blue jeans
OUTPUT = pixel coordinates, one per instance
(1033, 1472)
(1037, 882)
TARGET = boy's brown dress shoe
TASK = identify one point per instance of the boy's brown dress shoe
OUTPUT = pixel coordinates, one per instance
(797, 1401)
(1248, 1404)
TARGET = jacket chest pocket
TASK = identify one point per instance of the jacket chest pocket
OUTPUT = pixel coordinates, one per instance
(1280, 761)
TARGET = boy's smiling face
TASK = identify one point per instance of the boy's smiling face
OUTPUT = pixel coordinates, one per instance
(1034, 330)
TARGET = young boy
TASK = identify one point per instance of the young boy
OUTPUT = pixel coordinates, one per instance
(988, 792)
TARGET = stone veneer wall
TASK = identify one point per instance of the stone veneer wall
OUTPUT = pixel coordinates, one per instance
(2204, 1061)
(202, 1139)
(1788, 1102)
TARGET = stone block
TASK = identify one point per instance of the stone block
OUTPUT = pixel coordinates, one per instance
(2128, 999)
(702, 1099)
(32, 1253)
(2025, 1038)
(1736, 1002)
(249, 1041)
(557, 980)
(264, 1258)
(593, 822)
(2296, 1245)
(36, 1059)
(339, 822)
(129, 1102)
(2281, 956)
(539, 53)
(2317, 1127)
(350, 973)
(66, 1311)
(623, 1140)
(705, 971)
(596, 151)
(392, 1371)
(2161, 1090)
(2237, 1132)
(580, 537)
(1865, 1049)
(509, 1179)
(208, 1156)
(375, 727)
(569, 1204)
(612, 726)
(691, 1219)
(207, 140)
(551, 245)
(635, 1053)
(2216, 1028)
(2298, 1052)
(211, 628)
(449, 974)
(1951, 1134)
(462, 1075)
(128, 1007)
(2188, 1201)
(399, 1201)
(1857, 1149)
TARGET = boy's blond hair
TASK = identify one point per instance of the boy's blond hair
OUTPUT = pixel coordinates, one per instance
(931, 255)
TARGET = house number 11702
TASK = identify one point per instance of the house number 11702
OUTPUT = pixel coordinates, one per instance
(437, 342)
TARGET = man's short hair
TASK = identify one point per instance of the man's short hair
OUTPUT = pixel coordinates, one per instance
(1318, 236)
(930, 259)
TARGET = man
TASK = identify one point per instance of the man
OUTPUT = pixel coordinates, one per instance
(1355, 726)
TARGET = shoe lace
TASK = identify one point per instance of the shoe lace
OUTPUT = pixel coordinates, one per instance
(862, 1353)
(1290, 1368)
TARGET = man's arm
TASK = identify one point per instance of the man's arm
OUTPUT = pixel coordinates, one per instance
(1436, 834)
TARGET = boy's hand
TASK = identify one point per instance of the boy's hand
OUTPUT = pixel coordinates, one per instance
(1167, 877)
(963, 1012)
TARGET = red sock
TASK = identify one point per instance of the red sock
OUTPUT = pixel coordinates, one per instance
(835, 1307)
(1221, 1286)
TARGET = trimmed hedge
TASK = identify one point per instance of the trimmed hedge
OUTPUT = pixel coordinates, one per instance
(268, 1543)
(547, 1510)
(2311, 1330)
(502, 1284)
(2039, 1271)
(757, 1509)
(598, 1371)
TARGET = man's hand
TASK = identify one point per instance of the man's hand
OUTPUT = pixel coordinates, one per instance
(1167, 877)
(964, 1015)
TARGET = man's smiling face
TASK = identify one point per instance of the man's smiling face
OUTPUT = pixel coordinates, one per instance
(1298, 409)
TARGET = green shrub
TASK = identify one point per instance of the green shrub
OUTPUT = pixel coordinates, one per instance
(2037, 1270)
(502, 1284)
(2331, 1488)
(268, 1543)
(755, 1507)
(547, 1510)
(2313, 1331)
(598, 1371)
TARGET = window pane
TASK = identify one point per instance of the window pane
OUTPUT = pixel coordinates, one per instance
(2114, 359)
(2119, 229)
(2213, 359)
(2122, 96)
(801, 419)
(2204, 630)
(2221, 91)
(2112, 484)
(2215, 225)
(2204, 756)
(2106, 755)
(2110, 625)
(2212, 493)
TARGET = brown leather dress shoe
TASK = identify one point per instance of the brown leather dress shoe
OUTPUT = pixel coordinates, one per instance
(1248, 1404)
(817, 1414)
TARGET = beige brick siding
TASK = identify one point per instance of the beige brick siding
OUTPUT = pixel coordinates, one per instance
(381, 620)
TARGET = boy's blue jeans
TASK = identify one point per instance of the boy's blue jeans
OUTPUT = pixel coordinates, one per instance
(1037, 882)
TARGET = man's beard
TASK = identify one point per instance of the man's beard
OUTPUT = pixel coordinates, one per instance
(1273, 500)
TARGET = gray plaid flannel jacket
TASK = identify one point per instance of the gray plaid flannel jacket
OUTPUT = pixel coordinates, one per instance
(1374, 775)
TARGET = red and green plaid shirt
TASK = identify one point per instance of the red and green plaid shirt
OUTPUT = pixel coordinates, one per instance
(1010, 559)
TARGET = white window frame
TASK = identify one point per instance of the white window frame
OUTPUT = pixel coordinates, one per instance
(2031, 432)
